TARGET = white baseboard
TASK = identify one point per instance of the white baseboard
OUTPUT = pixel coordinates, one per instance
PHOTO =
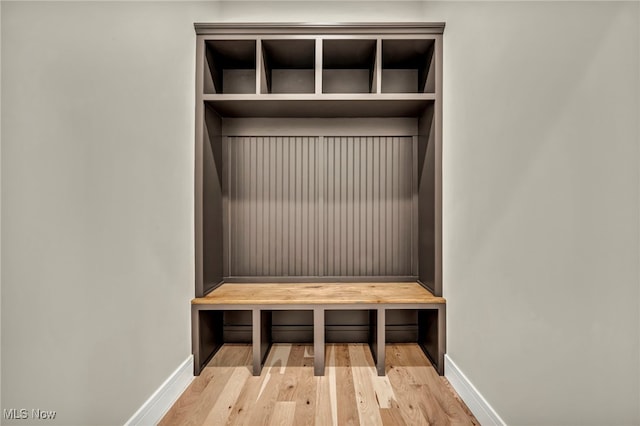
(164, 397)
(479, 406)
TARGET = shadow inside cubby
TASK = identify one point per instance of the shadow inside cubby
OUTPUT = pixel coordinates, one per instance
(230, 67)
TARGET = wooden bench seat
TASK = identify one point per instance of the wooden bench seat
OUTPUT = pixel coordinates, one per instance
(263, 298)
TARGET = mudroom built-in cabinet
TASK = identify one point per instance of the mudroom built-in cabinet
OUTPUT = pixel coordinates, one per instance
(317, 161)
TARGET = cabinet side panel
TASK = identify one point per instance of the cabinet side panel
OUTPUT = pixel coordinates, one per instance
(197, 169)
(212, 229)
(426, 198)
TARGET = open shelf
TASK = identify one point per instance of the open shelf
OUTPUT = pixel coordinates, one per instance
(230, 66)
(321, 105)
(348, 66)
(289, 66)
(408, 66)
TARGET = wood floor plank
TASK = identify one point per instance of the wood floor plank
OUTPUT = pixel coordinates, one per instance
(298, 385)
(232, 355)
(367, 403)
(421, 374)
(292, 373)
(308, 351)
(208, 397)
(350, 393)
(404, 389)
(262, 409)
(383, 389)
(242, 409)
(346, 406)
(305, 395)
(283, 413)
(457, 397)
(398, 370)
(407, 398)
(193, 400)
(327, 399)
(278, 357)
(229, 395)
(324, 414)
(189, 400)
(270, 388)
(392, 416)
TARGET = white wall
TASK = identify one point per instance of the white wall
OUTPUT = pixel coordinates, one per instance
(541, 207)
(541, 185)
(97, 199)
(0, 209)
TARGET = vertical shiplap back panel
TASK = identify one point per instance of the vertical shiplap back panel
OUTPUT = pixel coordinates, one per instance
(368, 206)
(272, 206)
(312, 206)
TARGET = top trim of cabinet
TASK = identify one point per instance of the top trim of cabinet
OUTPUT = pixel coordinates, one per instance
(319, 28)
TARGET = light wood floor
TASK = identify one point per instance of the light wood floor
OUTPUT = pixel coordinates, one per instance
(350, 392)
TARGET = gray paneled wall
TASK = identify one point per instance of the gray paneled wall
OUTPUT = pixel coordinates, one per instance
(273, 215)
(321, 206)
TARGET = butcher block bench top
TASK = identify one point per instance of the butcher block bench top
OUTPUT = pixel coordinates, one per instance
(319, 294)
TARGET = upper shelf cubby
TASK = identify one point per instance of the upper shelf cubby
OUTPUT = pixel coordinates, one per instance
(288, 66)
(408, 66)
(349, 66)
(319, 70)
(230, 66)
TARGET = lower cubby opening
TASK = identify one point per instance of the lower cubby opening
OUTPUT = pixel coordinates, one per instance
(347, 326)
(292, 326)
(237, 326)
(341, 326)
(296, 326)
(421, 326)
(401, 325)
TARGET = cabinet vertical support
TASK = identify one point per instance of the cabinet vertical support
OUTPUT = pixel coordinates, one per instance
(431, 334)
(438, 170)
(262, 82)
(259, 66)
(442, 340)
(195, 340)
(415, 210)
(318, 66)
(198, 166)
(377, 338)
(378, 71)
(318, 342)
(206, 336)
(261, 336)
